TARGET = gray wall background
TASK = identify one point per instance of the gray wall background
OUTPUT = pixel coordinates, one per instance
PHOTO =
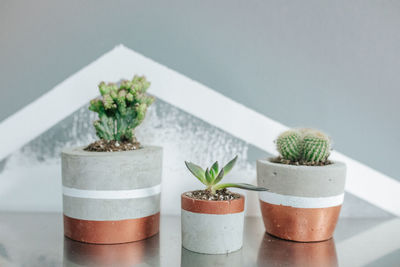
(327, 64)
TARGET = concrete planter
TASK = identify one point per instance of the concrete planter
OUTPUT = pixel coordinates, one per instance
(303, 202)
(212, 227)
(111, 197)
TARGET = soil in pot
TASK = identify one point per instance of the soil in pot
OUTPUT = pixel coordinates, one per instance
(298, 163)
(220, 195)
(112, 146)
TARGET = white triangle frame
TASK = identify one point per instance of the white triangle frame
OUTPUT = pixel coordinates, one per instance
(188, 95)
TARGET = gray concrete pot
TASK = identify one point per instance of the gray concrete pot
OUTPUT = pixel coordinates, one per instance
(212, 227)
(303, 202)
(111, 197)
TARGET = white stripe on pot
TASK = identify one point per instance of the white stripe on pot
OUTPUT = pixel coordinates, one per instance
(188, 95)
(112, 194)
(301, 202)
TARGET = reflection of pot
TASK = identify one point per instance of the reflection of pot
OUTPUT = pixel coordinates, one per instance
(193, 259)
(212, 227)
(111, 197)
(303, 202)
(126, 254)
(278, 252)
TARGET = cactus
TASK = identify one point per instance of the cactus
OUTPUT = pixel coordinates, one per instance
(316, 147)
(289, 145)
(304, 146)
(121, 108)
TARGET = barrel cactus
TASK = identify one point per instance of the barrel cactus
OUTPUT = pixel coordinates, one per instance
(316, 147)
(289, 145)
(304, 146)
(121, 108)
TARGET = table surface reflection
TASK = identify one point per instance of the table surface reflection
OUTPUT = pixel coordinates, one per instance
(36, 239)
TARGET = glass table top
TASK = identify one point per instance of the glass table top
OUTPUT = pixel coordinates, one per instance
(36, 239)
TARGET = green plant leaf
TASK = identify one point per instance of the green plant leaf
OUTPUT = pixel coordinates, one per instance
(209, 178)
(228, 167)
(240, 185)
(212, 174)
(197, 171)
(221, 175)
(214, 168)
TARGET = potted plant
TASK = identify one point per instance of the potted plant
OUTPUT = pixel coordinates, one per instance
(306, 188)
(111, 188)
(213, 218)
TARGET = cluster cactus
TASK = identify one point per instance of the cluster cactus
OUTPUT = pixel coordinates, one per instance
(213, 175)
(121, 108)
(304, 146)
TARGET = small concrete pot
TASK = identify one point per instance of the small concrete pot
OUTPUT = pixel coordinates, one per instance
(212, 227)
(303, 202)
(111, 197)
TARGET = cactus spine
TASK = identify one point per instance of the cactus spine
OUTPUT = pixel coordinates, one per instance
(121, 108)
(304, 146)
(316, 147)
(289, 145)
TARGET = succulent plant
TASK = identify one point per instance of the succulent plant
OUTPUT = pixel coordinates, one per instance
(316, 147)
(213, 175)
(289, 145)
(121, 108)
(308, 146)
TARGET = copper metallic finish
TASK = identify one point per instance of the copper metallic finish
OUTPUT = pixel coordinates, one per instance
(278, 252)
(212, 207)
(300, 224)
(111, 232)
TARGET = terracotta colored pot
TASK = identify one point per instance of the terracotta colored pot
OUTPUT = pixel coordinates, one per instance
(277, 252)
(111, 197)
(212, 227)
(127, 254)
(303, 202)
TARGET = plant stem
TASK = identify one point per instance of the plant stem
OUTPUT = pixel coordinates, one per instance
(211, 189)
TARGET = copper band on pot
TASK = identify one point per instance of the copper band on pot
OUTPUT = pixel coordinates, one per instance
(300, 224)
(212, 207)
(111, 232)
